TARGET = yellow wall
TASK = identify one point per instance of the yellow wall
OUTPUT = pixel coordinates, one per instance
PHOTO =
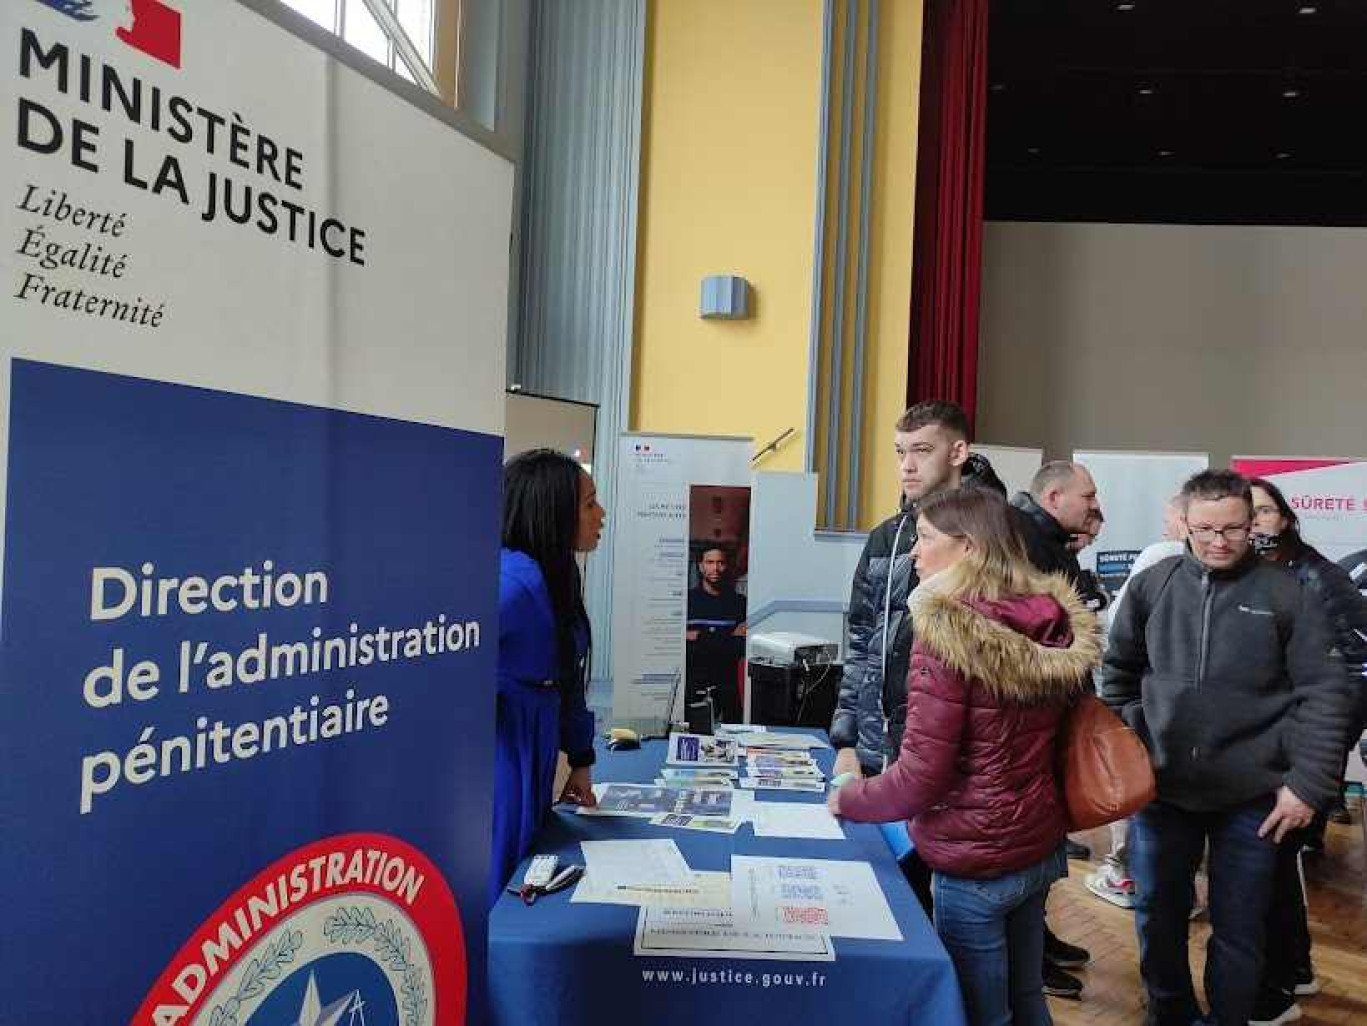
(728, 181)
(894, 191)
(728, 186)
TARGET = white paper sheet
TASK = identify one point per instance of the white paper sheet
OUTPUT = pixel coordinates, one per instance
(639, 864)
(714, 933)
(710, 824)
(831, 896)
(704, 890)
(791, 819)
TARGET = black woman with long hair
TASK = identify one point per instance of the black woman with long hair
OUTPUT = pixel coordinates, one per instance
(550, 514)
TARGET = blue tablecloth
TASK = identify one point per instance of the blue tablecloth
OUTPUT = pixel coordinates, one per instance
(558, 962)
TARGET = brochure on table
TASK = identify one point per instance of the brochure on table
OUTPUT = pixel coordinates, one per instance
(644, 801)
(702, 751)
(685, 821)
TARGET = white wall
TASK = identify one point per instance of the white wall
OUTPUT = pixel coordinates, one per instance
(790, 563)
(533, 422)
(1174, 337)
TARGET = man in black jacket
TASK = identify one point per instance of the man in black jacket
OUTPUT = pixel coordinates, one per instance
(1052, 518)
(1223, 665)
(1060, 505)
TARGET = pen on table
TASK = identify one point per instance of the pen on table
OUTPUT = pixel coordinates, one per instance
(657, 890)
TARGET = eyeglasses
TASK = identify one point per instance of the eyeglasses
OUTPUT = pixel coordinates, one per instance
(1209, 534)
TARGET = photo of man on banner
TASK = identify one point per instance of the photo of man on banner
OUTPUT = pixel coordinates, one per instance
(718, 528)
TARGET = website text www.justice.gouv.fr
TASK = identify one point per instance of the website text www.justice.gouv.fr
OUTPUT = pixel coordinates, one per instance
(693, 976)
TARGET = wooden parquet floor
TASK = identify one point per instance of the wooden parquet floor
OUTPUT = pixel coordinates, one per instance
(1337, 886)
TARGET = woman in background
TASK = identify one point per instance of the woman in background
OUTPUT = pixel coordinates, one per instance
(550, 513)
(1000, 652)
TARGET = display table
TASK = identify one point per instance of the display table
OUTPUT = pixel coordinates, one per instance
(562, 962)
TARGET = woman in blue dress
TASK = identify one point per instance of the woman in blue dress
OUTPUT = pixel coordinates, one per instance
(550, 513)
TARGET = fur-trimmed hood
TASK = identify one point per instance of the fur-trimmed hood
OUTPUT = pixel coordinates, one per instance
(1027, 648)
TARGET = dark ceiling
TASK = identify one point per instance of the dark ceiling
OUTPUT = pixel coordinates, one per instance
(1178, 111)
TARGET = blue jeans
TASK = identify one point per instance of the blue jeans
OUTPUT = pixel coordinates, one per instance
(1166, 844)
(994, 933)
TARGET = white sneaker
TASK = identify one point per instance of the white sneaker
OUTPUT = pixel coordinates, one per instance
(1276, 1013)
(1110, 887)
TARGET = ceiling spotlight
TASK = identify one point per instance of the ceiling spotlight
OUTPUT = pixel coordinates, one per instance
(1165, 153)
(1283, 155)
(1124, 7)
(1308, 9)
(1033, 151)
(1290, 93)
(1146, 90)
(998, 87)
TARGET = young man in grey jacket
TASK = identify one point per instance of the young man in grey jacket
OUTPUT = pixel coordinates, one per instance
(1225, 668)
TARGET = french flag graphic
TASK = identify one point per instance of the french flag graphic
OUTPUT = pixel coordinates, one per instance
(155, 31)
(154, 28)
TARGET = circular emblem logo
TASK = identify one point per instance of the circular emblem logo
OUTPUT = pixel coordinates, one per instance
(353, 930)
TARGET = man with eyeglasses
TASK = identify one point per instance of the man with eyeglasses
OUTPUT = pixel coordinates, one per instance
(1225, 668)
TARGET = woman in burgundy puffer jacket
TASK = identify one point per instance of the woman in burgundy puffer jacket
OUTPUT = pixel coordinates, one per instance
(1000, 653)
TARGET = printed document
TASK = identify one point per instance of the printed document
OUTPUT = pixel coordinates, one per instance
(703, 890)
(714, 933)
(840, 898)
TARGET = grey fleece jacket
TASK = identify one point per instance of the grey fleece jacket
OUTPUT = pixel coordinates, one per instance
(1231, 680)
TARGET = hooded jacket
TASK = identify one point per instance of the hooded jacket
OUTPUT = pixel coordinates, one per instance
(1046, 544)
(1346, 609)
(990, 683)
(1046, 540)
(1230, 679)
(872, 702)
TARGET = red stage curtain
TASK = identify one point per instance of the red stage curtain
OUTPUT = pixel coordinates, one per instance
(951, 160)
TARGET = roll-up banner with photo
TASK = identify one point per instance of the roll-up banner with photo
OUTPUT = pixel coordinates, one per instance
(251, 400)
(1133, 489)
(717, 603)
(681, 526)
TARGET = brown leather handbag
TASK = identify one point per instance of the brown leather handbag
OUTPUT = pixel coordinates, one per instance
(1104, 766)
